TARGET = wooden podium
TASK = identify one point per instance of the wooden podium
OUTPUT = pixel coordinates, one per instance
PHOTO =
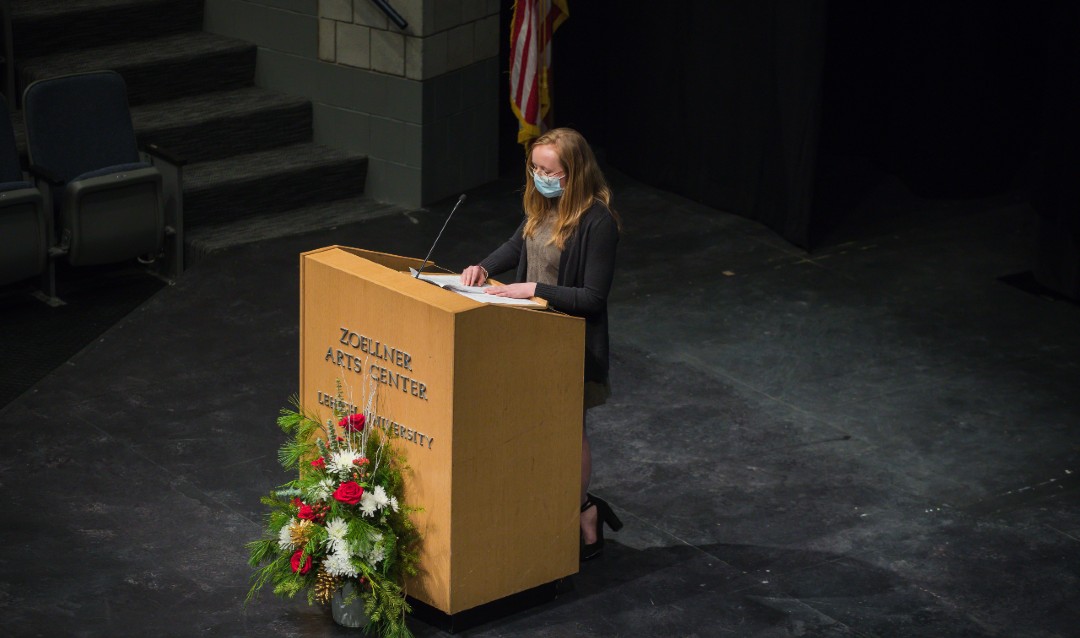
(484, 399)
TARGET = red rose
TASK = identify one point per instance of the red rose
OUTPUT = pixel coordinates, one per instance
(295, 562)
(319, 463)
(354, 422)
(306, 512)
(297, 502)
(349, 492)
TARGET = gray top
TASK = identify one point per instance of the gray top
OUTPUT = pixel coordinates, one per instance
(542, 254)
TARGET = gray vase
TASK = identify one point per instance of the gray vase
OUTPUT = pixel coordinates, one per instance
(348, 613)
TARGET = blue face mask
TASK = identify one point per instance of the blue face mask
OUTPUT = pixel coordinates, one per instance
(548, 186)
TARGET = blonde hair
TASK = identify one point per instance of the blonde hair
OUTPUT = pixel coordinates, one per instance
(584, 181)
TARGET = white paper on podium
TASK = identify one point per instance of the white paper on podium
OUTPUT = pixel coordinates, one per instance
(476, 293)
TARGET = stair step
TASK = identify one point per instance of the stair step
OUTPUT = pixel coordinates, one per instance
(222, 124)
(216, 125)
(270, 182)
(214, 237)
(45, 27)
(157, 70)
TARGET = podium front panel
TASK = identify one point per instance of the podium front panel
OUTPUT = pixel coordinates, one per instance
(484, 400)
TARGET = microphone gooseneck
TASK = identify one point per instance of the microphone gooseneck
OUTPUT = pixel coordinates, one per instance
(439, 236)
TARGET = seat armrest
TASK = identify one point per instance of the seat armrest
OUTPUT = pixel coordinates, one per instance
(165, 154)
(45, 174)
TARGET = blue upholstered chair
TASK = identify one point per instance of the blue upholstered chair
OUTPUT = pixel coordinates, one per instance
(111, 202)
(24, 227)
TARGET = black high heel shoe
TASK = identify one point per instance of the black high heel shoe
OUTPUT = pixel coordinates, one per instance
(604, 514)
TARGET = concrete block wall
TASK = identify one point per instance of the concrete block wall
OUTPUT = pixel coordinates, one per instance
(422, 103)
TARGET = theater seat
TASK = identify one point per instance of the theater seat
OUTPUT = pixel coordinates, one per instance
(108, 198)
(24, 228)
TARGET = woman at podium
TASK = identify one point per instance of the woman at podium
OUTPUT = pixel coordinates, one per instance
(564, 252)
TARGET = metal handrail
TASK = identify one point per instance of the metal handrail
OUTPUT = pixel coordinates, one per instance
(394, 16)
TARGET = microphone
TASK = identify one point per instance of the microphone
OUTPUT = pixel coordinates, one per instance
(439, 236)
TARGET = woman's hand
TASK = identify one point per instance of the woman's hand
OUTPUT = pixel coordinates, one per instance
(514, 291)
(474, 276)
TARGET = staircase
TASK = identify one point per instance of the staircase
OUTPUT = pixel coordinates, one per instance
(253, 171)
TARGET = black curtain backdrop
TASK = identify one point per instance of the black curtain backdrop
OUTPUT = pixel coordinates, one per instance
(1056, 193)
(737, 103)
(717, 101)
(942, 94)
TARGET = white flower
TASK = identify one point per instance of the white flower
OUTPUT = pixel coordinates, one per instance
(336, 529)
(338, 564)
(393, 503)
(368, 503)
(379, 496)
(285, 537)
(341, 461)
(374, 500)
(376, 554)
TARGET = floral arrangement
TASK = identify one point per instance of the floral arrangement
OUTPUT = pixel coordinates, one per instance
(341, 521)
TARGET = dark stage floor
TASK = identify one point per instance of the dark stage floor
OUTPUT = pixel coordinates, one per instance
(878, 439)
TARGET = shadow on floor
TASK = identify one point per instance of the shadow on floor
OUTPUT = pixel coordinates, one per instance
(35, 338)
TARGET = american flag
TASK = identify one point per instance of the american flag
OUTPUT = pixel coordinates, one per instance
(530, 62)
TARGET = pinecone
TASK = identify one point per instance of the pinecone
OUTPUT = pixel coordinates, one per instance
(300, 531)
(325, 586)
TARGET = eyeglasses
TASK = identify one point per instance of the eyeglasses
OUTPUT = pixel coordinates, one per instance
(544, 173)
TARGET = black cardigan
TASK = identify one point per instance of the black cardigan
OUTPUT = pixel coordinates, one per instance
(585, 273)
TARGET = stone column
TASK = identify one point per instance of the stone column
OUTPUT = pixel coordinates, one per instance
(431, 131)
